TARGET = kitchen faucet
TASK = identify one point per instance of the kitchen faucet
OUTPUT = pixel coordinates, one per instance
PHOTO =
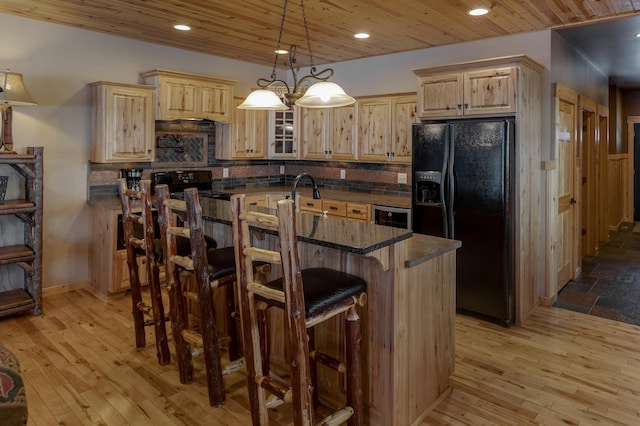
(316, 192)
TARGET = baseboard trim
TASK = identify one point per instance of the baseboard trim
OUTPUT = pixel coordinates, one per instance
(64, 288)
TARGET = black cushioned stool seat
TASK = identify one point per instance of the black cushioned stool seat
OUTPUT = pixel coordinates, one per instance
(322, 289)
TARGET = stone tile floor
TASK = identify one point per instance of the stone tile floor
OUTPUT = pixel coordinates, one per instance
(609, 286)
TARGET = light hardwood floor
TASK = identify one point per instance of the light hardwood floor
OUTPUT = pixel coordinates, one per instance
(560, 368)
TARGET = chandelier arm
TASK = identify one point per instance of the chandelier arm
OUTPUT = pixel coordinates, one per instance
(264, 83)
(323, 75)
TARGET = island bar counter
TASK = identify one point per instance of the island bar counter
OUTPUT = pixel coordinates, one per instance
(408, 321)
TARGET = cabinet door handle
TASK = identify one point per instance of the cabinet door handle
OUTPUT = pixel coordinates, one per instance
(459, 106)
(466, 106)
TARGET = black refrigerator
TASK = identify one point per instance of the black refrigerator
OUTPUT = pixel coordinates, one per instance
(463, 189)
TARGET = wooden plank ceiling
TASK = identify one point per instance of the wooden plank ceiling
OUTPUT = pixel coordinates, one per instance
(248, 30)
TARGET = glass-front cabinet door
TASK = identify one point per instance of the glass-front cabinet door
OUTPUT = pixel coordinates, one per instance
(283, 138)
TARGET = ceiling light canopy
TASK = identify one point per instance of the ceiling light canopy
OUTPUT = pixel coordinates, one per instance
(323, 94)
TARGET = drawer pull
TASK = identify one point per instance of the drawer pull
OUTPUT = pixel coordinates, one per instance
(309, 204)
(255, 203)
(333, 208)
(356, 211)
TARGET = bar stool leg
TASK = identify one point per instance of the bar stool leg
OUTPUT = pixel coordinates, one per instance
(354, 367)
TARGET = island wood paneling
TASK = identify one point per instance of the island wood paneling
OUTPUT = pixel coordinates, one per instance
(408, 326)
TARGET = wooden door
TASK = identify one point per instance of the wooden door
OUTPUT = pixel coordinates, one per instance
(239, 135)
(603, 150)
(373, 129)
(589, 183)
(313, 133)
(343, 133)
(567, 239)
(491, 91)
(440, 95)
(258, 130)
(403, 115)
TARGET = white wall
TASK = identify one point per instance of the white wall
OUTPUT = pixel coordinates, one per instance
(57, 63)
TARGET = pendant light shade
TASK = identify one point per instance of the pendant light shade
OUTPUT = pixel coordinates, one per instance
(325, 94)
(263, 99)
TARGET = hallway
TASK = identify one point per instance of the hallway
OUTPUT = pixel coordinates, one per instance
(609, 286)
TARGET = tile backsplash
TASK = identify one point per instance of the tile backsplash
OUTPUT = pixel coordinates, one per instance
(180, 145)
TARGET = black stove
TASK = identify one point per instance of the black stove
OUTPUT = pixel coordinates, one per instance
(179, 180)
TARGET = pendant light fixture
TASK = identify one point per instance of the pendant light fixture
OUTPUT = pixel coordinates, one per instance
(323, 94)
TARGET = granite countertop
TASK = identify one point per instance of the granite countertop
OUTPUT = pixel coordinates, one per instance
(422, 248)
(346, 235)
(340, 234)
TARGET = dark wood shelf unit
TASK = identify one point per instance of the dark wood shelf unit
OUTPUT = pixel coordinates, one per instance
(27, 253)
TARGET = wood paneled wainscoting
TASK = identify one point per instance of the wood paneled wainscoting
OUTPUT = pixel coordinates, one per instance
(618, 188)
(560, 367)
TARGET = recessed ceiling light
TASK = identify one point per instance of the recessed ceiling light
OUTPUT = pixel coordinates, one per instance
(182, 27)
(361, 35)
(281, 52)
(638, 35)
(478, 12)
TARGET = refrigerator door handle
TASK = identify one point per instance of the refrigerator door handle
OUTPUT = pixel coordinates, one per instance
(450, 182)
(444, 193)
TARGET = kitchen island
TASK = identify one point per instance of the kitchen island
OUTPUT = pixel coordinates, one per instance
(408, 322)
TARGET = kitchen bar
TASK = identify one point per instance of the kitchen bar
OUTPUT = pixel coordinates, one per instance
(409, 318)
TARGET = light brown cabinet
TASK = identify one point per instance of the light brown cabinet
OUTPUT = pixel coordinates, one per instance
(25, 296)
(245, 138)
(185, 96)
(385, 128)
(328, 133)
(309, 205)
(108, 256)
(123, 127)
(487, 91)
(335, 208)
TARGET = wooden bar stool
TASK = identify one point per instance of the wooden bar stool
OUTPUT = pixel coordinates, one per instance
(211, 269)
(147, 247)
(308, 297)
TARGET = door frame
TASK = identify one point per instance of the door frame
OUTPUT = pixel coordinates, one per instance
(631, 120)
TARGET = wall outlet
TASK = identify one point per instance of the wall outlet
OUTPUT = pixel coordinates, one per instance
(281, 170)
(402, 178)
(343, 174)
(225, 172)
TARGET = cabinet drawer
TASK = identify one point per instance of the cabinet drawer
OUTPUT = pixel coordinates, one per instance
(256, 200)
(335, 208)
(359, 211)
(308, 204)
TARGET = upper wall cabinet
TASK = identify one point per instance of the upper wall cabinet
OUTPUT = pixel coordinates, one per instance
(185, 96)
(283, 134)
(123, 127)
(486, 91)
(246, 138)
(328, 133)
(385, 128)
